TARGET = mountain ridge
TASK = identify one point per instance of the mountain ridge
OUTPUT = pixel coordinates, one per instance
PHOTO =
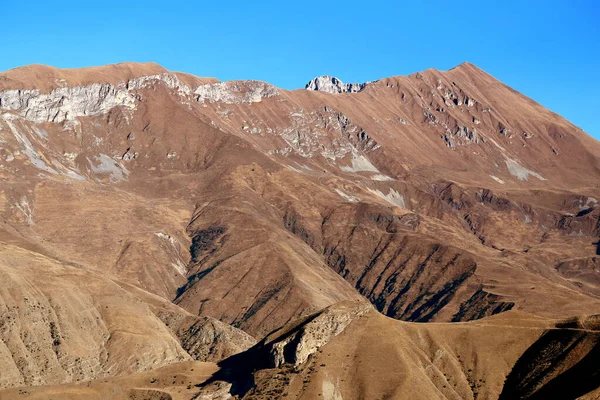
(24, 77)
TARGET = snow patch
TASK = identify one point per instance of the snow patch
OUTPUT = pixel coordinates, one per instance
(23, 206)
(359, 163)
(497, 179)
(393, 197)
(519, 171)
(42, 134)
(67, 172)
(179, 266)
(109, 166)
(346, 196)
(34, 158)
(381, 178)
(331, 390)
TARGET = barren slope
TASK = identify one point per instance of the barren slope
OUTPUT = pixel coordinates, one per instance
(440, 196)
(350, 351)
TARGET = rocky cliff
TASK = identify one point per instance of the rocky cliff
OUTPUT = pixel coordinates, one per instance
(331, 84)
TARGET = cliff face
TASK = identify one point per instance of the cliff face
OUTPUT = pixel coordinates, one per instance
(440, 196)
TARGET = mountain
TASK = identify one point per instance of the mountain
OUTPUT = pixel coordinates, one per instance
(155, 222)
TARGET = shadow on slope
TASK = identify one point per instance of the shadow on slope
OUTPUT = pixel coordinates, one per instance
(285, 348)
(564, 363)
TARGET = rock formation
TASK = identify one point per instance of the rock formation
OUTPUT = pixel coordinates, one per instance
(331, 84)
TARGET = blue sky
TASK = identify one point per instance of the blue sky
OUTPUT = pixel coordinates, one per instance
(548, 50)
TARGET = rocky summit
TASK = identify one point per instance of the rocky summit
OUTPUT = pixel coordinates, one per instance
(331, 84)
(166, 236)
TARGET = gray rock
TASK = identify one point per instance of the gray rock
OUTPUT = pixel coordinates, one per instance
(209, 340)
(297, 342)
(68, 103)
(65, 104)
(331, 84)
(235, 92)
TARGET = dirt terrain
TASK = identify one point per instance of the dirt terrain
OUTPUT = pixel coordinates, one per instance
(426, 236)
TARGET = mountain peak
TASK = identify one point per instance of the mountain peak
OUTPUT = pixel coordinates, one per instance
(331, 84)
(466, 65)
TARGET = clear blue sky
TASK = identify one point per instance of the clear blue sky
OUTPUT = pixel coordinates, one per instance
(548, 50)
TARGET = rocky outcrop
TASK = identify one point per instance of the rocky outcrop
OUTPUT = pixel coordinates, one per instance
(331, 84)
(297, 344)
(462, 136)
(304, 136)
(210, 340)
(284, 352)
(235, 92)
(68, 103)
(64, 104)
(347, 346)
(170, 80)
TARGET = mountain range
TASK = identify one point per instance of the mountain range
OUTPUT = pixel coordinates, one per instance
(166, 236)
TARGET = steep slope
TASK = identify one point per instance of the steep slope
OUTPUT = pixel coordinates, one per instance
(237, 141)
(440, 196)
(63, 323)
(133, 218)
(350, 352)
(561, 364)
